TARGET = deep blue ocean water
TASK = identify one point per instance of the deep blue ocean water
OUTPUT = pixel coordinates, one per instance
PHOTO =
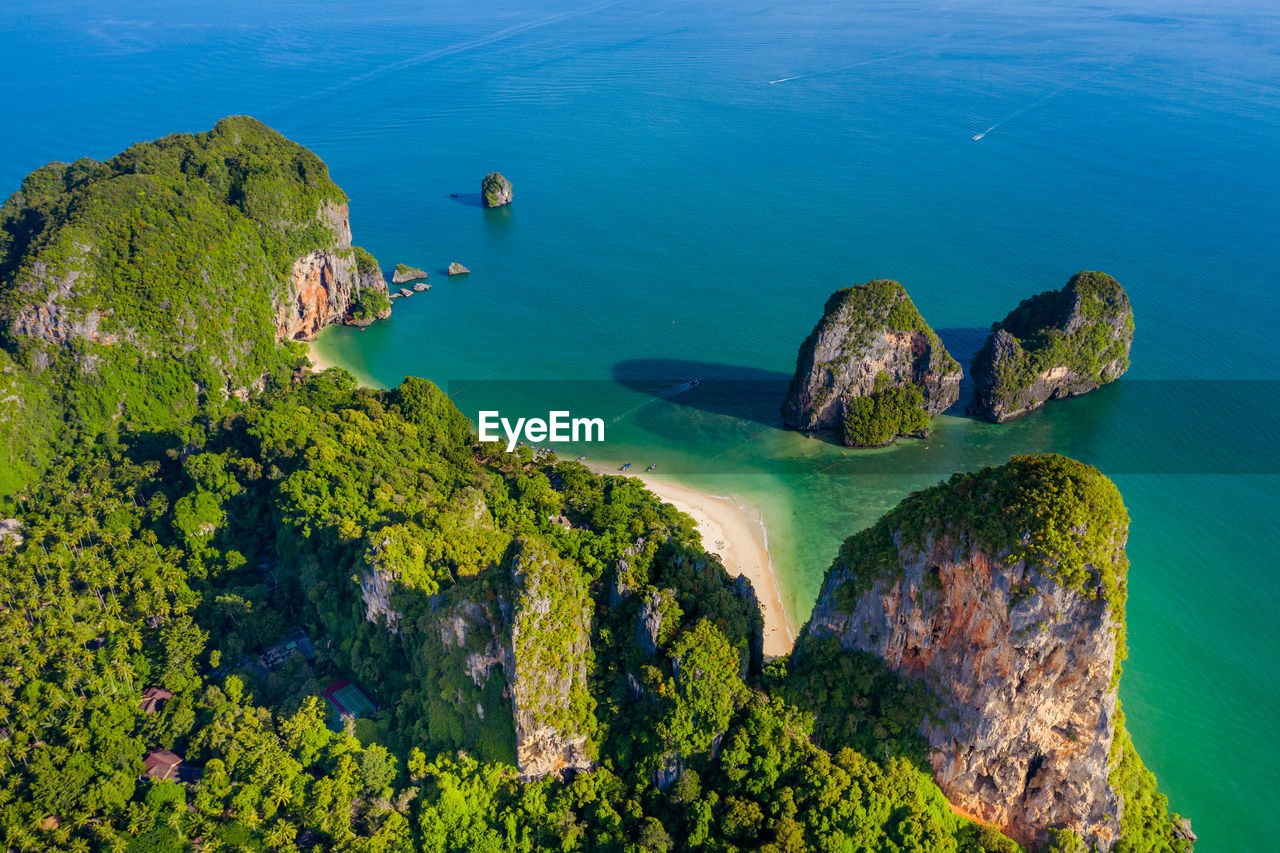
(679, 215)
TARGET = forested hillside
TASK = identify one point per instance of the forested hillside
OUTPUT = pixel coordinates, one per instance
(174, 563)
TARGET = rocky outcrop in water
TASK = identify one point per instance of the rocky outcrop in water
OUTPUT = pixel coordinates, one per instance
(870, 341)
(1057, 344)
(495, 190)
(404, 273)
(1004, 592)
(456, 268)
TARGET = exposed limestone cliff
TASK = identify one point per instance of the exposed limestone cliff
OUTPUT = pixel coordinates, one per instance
(656, 610)
(375, 591)
(1004, 592)
(868, 359)
(326, 284)
(524, 654)
(548, 658)
(1058, 344)
(324, 288)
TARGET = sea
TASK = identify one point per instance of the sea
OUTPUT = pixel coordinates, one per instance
(693, 179)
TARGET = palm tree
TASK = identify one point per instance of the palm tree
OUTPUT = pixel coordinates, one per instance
(281, 835)
(281, 795)
(78, 739)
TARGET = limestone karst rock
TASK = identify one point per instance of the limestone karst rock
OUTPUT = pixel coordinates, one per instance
(1057, 344)
(871, 369)
(1004, 592)
(495, 190)
(404, 273)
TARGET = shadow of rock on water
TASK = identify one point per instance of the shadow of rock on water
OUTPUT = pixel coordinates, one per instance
(745, 393)
(469, 199)
(963, 344)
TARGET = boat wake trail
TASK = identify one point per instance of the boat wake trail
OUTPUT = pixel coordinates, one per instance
(977, 137)
(872, 61)
(1047, 98)
(661, 395)
(441, 53)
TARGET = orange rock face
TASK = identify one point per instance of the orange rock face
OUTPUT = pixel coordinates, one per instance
(1023, 670)
(324, 284)
(319, 295)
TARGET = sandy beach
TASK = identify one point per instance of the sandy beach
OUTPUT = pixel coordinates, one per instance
(737, 535)
(318, 364)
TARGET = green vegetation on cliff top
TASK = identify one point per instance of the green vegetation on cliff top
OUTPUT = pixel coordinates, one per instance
(111, 272)
(1061, 516)
(1039, 327)
(880, 304)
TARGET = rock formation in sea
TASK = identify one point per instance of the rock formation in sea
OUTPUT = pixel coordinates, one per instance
(1004, 592)
(404, 273)
(495, 190)
(871, 369)
(1059, 343)
(456, 268)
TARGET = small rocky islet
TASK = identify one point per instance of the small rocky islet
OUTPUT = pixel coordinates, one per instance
(1056, 344)
(872, 370)
(405, 273)
(495, 190)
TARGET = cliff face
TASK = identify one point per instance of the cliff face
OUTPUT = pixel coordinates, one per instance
(324, 285)
(870, 337)
(547, 657)
(524, 654)
(1058, 344)
(1018, 639)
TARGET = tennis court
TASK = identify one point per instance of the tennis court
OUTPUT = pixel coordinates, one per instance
(349, 699)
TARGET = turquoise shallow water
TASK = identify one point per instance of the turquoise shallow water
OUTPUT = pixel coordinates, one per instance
(678, 215)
